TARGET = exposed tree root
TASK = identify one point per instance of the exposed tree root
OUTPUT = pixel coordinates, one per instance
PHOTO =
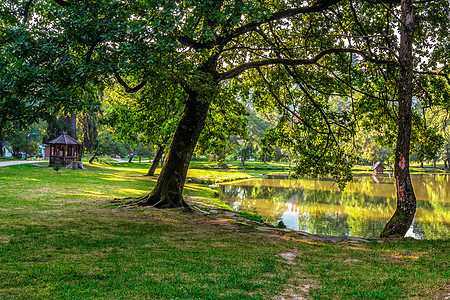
(154, 201)
(128, 201)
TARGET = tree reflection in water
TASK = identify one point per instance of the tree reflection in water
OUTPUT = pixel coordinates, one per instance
(362, 209)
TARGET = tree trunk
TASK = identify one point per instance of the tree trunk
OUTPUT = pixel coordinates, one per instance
(93, 157)
(73, 125)
(159, 154)
(131, 158)
(1, 142)
(169, 187)
(400, 222)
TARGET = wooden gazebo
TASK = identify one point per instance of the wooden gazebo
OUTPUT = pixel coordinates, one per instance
(64, 149)
(378, 168)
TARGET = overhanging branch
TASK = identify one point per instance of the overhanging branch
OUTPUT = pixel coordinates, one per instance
(437, 73)
(126, 87)
(317, 6)
(190, 42)
(26, 10)
(62, 3)
(296, 62)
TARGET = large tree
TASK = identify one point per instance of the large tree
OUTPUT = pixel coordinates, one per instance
(294, 55)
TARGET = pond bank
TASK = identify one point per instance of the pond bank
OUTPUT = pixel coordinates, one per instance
(227, 215)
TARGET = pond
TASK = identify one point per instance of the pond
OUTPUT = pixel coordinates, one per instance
(318, 206)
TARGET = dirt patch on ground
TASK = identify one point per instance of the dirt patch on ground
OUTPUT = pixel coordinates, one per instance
(298, 286)
(442, 292)
(300, 292)
(289, 257)
(224, 222)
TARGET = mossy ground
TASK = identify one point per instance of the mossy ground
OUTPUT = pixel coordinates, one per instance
(63, 237)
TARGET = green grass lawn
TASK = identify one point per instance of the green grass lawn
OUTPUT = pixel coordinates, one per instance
(63, 237)
(4, 158)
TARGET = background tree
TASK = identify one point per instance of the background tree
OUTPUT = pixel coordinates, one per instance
(146, 117)
(58, 124)
(225, 123)
(23, 142)
(88, 128)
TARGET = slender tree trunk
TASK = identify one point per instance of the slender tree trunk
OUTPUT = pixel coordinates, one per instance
(400, 222)
(243, 154)
(159, 154)
(131, 158)
(1, 142)
(73, 125)
(93, 157)
(169, 187)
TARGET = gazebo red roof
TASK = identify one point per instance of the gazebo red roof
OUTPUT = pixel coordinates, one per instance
(65, 139)
(378, 165)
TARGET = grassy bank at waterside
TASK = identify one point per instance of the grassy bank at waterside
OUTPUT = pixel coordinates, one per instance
(62, 236)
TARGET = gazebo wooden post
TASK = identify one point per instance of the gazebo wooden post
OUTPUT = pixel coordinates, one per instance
(64, 154)
(52, 154)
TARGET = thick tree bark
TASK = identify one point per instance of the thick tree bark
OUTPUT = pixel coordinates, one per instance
(169, 187)
(159, 154)
(400, 222)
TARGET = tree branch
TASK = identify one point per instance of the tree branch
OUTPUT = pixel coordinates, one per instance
(126, 87)
(295, 62)
(91, 50)
(317, 6)
(26, 11)
(285, 107)
(7, 12)
(63, 3)
(437, 73)
(190, 42)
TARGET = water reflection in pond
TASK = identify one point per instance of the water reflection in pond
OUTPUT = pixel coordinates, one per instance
(362, 209)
